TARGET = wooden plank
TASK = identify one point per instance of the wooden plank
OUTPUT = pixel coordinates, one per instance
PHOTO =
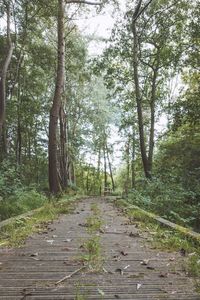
(34, 278)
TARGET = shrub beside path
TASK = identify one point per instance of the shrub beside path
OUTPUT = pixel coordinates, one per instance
(69, 261)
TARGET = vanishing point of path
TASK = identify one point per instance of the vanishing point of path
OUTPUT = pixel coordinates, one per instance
(131, 269)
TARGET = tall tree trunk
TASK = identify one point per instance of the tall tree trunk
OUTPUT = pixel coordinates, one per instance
(105, 171)
(54, 184)
(98, 170)
(18, 133)
(139, 101)
(87, 179)
(152, 126)
(63, 151)
(127, 181)
(110, 168)
(4, 70)
(133, 158)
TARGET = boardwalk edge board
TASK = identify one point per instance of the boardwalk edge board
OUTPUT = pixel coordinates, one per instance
(31, 212)
(186, 231)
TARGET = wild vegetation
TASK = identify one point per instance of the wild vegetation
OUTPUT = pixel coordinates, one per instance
(60, 107)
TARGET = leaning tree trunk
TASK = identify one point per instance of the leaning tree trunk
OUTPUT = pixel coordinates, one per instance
(3, 73)
(54, 183)
(139, 103)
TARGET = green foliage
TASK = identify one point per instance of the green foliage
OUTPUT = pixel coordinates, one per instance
(9, 179)
(92, 258)
(167, 199)
(193, 266)
(21, 201)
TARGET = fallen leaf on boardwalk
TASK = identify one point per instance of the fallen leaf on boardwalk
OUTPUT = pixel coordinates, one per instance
(138, 286)
(137, 275)
(144, 262)
(123, 253)
(34, 254)
(65, 249)
(117, 257)
(25, 293)
(117, 296)
(172, 258)
(163, 275)
(119, 271)
(150, 268)
(83, 225)
(107, 271)
(132, 234)
(50, 241)
(126, 267)
(182, 252)
(101, 292)
(67, 240)
(176, 273)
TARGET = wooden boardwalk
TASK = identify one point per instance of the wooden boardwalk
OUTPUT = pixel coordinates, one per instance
(131, 268)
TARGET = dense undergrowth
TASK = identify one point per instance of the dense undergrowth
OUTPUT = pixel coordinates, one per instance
(169, 200)
(19, 195)
(21, 201)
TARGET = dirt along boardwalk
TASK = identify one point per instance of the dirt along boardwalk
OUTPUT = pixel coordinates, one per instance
(111, 263)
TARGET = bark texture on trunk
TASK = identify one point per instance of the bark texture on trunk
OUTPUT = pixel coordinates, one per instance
(4, 70)
(105, 170)
(110, 168)
(63, 150)
(133, 158)
(143, 149)
(139, 103)
(152, 126)
(54, 184)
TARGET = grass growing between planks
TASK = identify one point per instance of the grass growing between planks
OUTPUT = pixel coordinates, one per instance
(165, 239)
(16, 232)
(93, 258)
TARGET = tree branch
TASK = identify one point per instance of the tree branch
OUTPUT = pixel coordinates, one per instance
(136, 15)
(83, 2)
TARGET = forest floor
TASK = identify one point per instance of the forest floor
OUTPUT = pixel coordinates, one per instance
(93, 253)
